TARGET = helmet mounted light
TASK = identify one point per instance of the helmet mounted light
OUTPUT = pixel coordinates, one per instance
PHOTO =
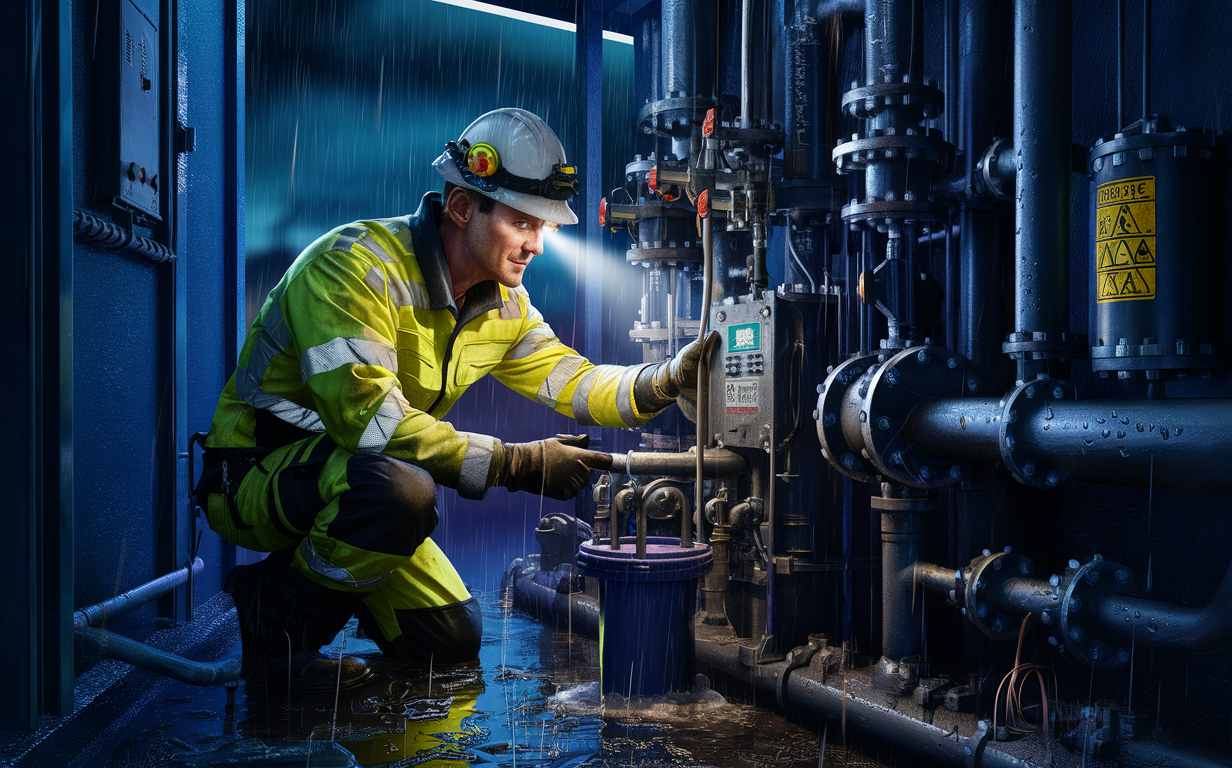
(480, 166)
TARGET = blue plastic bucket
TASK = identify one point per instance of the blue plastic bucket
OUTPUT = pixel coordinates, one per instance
(646, 609)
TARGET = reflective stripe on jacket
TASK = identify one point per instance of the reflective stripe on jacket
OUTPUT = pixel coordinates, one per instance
(362, 338)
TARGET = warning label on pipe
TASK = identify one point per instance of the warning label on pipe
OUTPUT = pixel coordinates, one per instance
(1125, 240)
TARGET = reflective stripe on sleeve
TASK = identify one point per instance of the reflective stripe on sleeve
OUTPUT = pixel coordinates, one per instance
(473, 478)
(333, 572)
(540, 338)
(386, 419)
(624, 395)
(336, 353)
(581, 397)
(402, 293)
(274, 338)
(551, 388)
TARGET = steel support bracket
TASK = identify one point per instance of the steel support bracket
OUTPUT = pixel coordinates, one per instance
(797, 657)
(973, 747)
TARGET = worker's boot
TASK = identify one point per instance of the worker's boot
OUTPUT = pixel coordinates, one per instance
(285, 618)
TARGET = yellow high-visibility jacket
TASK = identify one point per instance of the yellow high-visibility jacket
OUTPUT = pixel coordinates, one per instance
(362, 339)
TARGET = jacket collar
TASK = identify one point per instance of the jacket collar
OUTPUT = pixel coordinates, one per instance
(480, 298)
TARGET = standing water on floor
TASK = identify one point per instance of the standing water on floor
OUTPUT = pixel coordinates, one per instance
(531, 700)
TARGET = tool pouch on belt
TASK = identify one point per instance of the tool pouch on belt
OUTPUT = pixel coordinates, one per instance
(223, 469)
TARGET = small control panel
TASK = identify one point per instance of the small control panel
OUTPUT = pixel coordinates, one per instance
(744, 403)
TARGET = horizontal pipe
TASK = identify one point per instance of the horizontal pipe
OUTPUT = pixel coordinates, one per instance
(717, 462)
(1177, 444)
(1168, 626)
(804, 688)
(113, 646)
(99, 613)
(1022, 596)
(961, 429)
(936, 577)
(577, 611)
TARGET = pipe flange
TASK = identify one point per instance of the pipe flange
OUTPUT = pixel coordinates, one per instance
(857, 154)
(984, 577)
(834, 445)
(897, 388)
(1021, 405)
(1083, 584)
(879, 212)
(999, 187)
(667, 255)
(659, 114)
(863, 103)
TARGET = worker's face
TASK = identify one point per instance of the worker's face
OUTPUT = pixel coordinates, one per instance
(503, 242)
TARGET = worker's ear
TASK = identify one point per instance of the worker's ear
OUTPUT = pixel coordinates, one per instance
(460, 207)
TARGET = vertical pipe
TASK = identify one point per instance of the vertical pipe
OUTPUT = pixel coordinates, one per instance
(902, 545)
(746, 57)
(1043, 46)
(1120, 65)
(1146, 59)
(678, 66)
(982, 29)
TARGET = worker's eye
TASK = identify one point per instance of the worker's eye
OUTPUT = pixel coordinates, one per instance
(522, 224)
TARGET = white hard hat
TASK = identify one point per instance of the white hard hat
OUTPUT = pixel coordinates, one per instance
(512, 156)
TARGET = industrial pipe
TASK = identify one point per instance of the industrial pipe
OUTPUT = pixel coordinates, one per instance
(97, 614)
(718, 462)
(902, 545)
(807, 687)
(577, 611)
(1180, 444)
(1043, 48)
(1168, 626)
(129, 651)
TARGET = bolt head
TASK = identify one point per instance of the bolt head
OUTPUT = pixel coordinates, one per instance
(1058, 393)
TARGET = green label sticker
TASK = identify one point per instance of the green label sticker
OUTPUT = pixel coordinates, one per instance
(744, 338)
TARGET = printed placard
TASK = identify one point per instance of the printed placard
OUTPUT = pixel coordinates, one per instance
(744, 338)
(742, 396)
(1125, 240)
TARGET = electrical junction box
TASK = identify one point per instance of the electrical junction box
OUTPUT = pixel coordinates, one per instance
(765, 368)
(129, 107)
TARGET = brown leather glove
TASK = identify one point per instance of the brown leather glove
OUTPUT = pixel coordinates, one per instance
(557, 468)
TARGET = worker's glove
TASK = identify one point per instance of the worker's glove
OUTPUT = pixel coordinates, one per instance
(658, 386)
(558, 467)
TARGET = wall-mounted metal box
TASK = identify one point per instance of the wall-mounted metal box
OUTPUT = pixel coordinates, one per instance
(127, 71)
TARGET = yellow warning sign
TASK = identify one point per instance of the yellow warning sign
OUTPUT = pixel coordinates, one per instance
(1125, 240)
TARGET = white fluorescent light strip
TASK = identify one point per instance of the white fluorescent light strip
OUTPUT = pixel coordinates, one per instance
(507, 13)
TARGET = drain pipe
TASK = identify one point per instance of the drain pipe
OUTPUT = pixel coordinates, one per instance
(100, 613)
(113, 646)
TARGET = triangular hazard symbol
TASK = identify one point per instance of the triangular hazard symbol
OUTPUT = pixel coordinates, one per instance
(1105, 226)
(1105, 257)
(1108, 285)
(1143, 254)
(1130, 287)
(1122, 256)
(1125, 223)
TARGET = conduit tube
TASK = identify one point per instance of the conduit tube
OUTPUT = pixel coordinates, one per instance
(113, 646)
(97, 614)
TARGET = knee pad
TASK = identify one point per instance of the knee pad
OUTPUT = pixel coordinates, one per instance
(389, 507)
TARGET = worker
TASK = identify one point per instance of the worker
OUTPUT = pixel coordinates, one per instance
(328, 441)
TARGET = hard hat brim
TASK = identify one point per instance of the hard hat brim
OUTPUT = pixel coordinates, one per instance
(555, 211)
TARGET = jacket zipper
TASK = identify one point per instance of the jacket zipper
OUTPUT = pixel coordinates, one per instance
(445, 364)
